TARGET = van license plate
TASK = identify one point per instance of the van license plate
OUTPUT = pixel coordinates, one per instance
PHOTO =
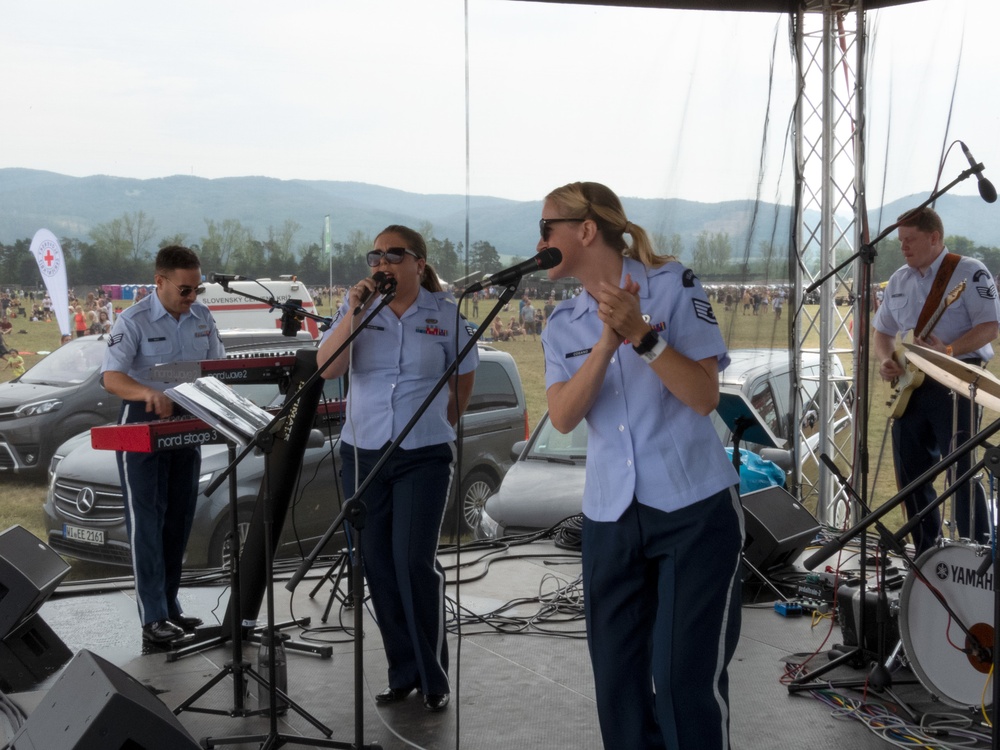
(88, 536)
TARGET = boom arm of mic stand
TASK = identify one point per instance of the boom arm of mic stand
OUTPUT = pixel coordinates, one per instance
(285, 307)
(266, 434)
(869, 247)
(350, 504)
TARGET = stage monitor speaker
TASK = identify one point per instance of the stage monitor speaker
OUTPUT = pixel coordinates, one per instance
(96, 706)
(778, 528)
(30, 654)
(30, 570)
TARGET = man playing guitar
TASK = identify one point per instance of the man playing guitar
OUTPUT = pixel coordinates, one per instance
(924, 431)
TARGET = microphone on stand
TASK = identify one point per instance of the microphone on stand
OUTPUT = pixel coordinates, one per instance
(384, 283)
(986, 189)
(225, 278)
(550, 257)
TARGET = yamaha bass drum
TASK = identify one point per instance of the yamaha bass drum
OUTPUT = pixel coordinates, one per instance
(947, 661)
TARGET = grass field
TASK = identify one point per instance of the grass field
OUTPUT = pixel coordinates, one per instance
(22, 500)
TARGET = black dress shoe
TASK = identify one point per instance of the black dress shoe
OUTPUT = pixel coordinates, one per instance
(185, 623)
(435, 702)
(161, 631)
(392, 695)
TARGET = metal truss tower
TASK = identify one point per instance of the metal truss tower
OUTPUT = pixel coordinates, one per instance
(829, 49)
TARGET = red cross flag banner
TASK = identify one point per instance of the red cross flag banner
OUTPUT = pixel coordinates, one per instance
(49, 256)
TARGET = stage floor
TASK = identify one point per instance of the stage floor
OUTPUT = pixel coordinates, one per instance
(520, 675)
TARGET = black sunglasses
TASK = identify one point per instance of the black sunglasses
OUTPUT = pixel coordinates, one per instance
(393, 255)
(545, 230)
(187, 291)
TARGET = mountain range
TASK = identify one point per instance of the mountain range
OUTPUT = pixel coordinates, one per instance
(72, 206)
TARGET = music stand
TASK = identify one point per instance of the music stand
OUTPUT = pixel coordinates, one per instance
(744, 421)
(246, 424)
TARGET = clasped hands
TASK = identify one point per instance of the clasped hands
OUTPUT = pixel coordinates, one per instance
(618, 308)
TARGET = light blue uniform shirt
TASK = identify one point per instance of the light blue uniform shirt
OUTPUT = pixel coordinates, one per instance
(394, 365)
(146, 334)
(643, 441)
(907, 290)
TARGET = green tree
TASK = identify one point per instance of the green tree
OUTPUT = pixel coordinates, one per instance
(349, 258)
(222, 242)
(484, 258)
(139, 230)
(313, 266)
(280, 256)
(112, 240)
(175, 239)
(668, 244)
(442, 255)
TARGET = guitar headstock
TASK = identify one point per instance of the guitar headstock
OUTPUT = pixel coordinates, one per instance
(954, 294)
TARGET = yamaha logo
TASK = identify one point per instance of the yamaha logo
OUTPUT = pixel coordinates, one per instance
(85, 501)
(941, 571)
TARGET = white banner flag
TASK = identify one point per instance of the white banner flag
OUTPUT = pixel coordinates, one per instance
(49, 256)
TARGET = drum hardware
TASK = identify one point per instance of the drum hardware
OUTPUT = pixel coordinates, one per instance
(879, 677)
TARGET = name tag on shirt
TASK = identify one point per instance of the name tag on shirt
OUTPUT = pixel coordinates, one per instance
(579, 353)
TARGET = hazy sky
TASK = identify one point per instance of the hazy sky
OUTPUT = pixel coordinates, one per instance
(654, 103)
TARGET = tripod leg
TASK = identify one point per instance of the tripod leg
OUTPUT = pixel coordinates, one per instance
(343, 567)
(319, 584)
(763, 579)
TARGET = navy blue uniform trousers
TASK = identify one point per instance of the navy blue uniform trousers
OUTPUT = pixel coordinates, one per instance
(662, 602)
(919, 438)
(161, 491)
(404, 510)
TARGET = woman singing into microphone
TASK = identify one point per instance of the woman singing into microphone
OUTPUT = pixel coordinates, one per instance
(637, 354)
(393, 365)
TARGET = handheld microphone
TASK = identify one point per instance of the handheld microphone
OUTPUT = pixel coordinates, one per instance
(986, 189)
(384, 283)
(550, 257)
(225, 278)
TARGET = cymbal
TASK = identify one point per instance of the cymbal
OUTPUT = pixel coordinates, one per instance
(957, 375)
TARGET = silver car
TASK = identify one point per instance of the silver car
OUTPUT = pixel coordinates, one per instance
(545, 484)
(84, 510)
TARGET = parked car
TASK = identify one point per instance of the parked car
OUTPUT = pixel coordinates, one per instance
(84, 511)
(545, 484)
(62, 396)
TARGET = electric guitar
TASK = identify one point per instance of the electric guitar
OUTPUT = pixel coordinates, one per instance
(913, 377)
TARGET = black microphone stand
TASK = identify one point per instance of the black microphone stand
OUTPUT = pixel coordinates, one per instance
(866, 254)
(353, 511)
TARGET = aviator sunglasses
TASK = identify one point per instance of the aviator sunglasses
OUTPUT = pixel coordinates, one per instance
(187, 291)
(545, 229)
(393, 255)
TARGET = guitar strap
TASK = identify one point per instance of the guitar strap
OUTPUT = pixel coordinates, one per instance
(938, 287)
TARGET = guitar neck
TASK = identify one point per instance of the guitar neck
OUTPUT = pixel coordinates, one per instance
(929, 328)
